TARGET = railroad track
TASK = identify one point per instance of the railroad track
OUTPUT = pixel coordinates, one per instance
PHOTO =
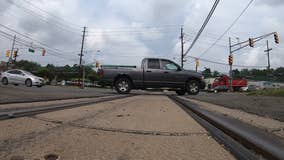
(242, 140)
(4, 115)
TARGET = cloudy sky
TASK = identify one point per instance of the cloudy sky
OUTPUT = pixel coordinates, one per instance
(125, 31)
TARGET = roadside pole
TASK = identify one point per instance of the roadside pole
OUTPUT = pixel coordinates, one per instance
(268, 59)
(182, 46)
(81, 54)
(12, 50)
(231, 65)
(83, 82)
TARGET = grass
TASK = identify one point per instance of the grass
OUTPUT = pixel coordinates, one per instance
(268, 92)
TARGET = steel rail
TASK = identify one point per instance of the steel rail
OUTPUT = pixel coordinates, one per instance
(245, 142)
(51, 108)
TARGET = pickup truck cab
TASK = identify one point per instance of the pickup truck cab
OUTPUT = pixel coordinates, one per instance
(154, 73)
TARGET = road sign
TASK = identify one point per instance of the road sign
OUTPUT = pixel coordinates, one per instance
(31, 50)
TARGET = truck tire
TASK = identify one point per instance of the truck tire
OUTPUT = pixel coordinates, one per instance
(192, 87)
(123, 85)
(180, 92)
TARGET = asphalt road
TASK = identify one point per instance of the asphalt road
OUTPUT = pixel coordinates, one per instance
(272, 107)
(14, 94)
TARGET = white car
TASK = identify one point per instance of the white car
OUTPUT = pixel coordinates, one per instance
(17, 76)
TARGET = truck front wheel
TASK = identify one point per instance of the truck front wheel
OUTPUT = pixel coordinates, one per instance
(122, 85)
(192, 87)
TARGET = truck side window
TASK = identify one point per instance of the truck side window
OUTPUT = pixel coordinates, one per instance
(168, 65)
(153, 64)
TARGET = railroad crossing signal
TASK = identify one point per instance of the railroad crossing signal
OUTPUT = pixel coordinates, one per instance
(230, 59)
(276, 38)
(251, 42)
(8, 53)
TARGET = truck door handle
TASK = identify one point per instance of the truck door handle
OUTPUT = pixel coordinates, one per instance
(166, 72)
(148, 71)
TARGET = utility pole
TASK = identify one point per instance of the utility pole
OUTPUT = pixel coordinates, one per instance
(83, 83)
(81, 53)
(12, 50)
(231, 65)
(182, 46)
(268, 58)
(82, 45)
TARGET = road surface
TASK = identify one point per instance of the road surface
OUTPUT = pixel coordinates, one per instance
(139, 127)
(264, 106)
(12, 94)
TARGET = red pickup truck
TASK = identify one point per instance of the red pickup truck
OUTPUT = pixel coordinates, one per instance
(224, 80)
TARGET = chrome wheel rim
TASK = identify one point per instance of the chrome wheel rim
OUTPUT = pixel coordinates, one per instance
(123, 86)
(193, 88)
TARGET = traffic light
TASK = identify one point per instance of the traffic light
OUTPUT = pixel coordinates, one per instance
(15, 54)
(251, 42)
(230, 59)
(43, 52)
(97, 64)
(8, 53)
(276, 38)
(197, 62)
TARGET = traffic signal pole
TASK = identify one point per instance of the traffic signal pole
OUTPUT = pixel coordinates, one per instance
(251, 42)
(231, 65)
(182, 46)
(268, 58)
(12, 50)
(81, 55)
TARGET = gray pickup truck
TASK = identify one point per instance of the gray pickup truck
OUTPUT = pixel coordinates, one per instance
(154, 73)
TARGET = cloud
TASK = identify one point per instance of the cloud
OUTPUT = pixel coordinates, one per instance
(120, 29)
(272, 3)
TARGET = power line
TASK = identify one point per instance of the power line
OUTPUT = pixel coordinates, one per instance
(28, 37)
(62, 26)
(54, 52)
(203, 26)
(52, 15)
(125, 28)
(226, 31)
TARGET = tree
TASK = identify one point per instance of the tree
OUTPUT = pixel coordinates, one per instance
(236, 73)
(216, 74)
(27, 65)
(207, 72)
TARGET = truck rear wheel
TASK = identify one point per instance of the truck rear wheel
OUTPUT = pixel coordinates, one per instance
(192, 87)
(123, 85)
